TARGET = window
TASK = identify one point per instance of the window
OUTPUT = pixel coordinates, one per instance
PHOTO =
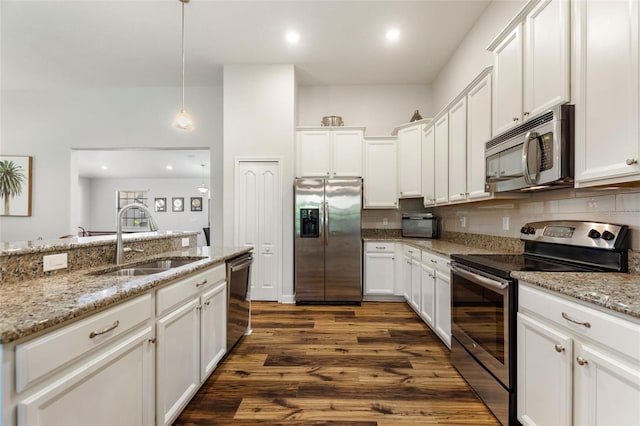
(133, 219)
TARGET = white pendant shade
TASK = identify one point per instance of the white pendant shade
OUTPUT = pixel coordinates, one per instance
(183, 121)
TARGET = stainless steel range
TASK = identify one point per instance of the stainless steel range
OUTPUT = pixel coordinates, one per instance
(484, 299)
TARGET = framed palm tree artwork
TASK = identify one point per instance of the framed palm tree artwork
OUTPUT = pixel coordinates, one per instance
(15, 185)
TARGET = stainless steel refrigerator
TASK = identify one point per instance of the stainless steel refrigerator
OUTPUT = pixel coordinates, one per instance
(328, 245)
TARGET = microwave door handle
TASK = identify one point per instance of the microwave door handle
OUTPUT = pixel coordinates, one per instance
(525, 158)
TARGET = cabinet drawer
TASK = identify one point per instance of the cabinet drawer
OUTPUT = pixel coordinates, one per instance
(605, 329)
(439, 263)
(38, 357)
(412, 252)
(188, 287)
(379, 247)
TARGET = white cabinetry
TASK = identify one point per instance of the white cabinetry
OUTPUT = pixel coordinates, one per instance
(60, 375)
(436, 295)
(428, 295)
(458, 151)
(409, 161)
(478, 132)
(442, 159)
(531, 63)
(411, 276)
(184, 359)
(379, 270)
(606, 93)
(576, 364)
(429, 166)
(329, 153)
(380, 178)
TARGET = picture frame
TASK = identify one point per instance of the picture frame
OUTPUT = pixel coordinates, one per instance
(160, 204)
(196, 204)
(177, 204)
(16, 177)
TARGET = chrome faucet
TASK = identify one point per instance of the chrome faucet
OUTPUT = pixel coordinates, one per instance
(153, 226)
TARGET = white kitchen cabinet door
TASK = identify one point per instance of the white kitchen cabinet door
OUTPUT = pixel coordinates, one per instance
(545, 379)
(443, 307)
(478, 133)
(442, 160)
(507, 83)
(429, 166)
(546, 57)
(213, 329)
(258, 223)
(458, 151)
(409, 161)
(380, 178)
(607, 388)
(406, 278)
(114, 387)
(606, 92)
(416, 275)
(379, 274)
(346, 153)
(428, 295)
(178, 370)
(314, 153)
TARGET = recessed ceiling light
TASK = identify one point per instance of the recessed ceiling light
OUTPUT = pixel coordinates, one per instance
(104, 167)
(393, 35)
(292, 37)
(169, 167)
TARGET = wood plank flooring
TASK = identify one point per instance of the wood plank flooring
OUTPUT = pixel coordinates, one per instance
(375, 364)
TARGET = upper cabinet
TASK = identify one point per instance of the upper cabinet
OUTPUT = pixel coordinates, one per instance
(441, 156)
(531, 63)
(458, 151)
(606, 92)
(429, 166)
(478, 133)
(380, 178)
(409, 161)
(329, 153)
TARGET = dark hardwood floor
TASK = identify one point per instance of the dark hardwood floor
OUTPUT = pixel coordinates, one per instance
(375, 364)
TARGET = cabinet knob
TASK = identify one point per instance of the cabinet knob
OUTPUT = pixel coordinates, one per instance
(631, 161)
(526, 114)
(559, 348)
(152, 340)
(207, 303)
(433, 261)
(515, 119)
(327, 173)
(581, 361)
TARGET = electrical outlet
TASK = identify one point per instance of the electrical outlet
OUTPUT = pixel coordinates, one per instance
(505, 223)
(385, 221)
(463, 221)
(185, 242)
(54, 261)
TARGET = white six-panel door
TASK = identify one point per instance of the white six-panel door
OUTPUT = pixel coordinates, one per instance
(258, 216)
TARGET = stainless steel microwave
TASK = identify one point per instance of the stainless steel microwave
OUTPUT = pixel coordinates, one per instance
(419, 226)
(536, 155)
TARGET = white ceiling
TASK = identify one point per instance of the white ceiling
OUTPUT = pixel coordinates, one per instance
(143, 163)
(131, 43)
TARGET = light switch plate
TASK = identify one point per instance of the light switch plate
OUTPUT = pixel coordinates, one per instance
(505, 223)
(185, 242)
(54, 261)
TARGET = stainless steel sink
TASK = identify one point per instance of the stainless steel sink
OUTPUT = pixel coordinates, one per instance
(147, 268)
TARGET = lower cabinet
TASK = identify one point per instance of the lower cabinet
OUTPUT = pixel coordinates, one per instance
(379, 270)
(436, 295)
(191, 339)
(576, 365)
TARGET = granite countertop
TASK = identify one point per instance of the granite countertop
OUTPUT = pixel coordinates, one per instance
(34, 305)
(444, 248)
(618, 292)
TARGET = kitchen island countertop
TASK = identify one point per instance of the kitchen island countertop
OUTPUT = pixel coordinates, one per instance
(31, 306)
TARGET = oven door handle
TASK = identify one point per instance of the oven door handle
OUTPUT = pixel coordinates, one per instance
(481, 279)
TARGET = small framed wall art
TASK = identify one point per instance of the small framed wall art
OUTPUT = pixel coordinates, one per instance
(160, 204)
(196, 204)
(177, 204)
(15, 185)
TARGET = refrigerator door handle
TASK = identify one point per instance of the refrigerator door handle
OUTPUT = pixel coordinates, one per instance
(326, 223)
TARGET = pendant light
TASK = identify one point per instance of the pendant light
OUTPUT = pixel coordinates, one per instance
(183, 120)
(203, 188)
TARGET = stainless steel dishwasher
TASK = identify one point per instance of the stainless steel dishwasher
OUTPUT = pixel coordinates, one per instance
(239, 298)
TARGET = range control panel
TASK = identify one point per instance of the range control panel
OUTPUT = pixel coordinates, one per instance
(577, 233)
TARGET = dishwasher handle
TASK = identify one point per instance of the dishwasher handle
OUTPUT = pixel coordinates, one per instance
(241, 263)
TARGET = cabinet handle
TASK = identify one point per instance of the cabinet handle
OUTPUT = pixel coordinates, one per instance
(207, 303)
(568, 318)
(631, 161)
(515, 119)
(433, 261)
(199, 307)
(152, 340)
(559, 348)
(581, 361)
(379, 248)
(526, 114)
(201, 284)
(106, 330)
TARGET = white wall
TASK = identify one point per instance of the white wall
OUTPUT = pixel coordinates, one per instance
(380, 108)
(103, 203)
(259, 121)
(471, 56)
(47, 124)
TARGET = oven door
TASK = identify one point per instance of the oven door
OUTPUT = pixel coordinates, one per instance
(480, 320)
